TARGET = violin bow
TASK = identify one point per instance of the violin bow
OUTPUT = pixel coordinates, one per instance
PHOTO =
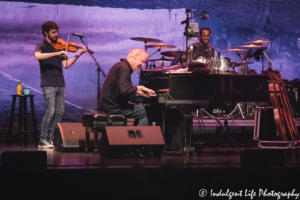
(67, 51)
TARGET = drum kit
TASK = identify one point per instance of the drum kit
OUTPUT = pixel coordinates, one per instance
(222, 65)
(216, 65)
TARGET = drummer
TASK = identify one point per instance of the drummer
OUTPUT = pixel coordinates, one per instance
(203, 48)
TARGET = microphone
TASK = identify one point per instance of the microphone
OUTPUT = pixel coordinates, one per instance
(204, 17)
(76, 34)
(191, 47)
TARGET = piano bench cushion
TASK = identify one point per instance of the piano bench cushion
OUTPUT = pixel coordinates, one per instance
(99, 121)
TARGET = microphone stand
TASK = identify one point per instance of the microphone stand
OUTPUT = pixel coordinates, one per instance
(186, 30)
(98, 71)
(202, 13)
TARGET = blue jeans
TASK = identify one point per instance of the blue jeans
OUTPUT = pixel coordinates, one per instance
(137, 112)
(55, 107)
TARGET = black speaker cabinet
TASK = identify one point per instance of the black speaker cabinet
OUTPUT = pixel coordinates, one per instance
(70, 137)
(24, 160)
(123, 141)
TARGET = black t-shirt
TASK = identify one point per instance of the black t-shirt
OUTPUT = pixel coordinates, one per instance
(117, 88)
(51, 68)
(203, 51)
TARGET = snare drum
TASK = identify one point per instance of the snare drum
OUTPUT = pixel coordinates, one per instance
(203, 60)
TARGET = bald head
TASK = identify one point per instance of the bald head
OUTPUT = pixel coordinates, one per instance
(136, 58)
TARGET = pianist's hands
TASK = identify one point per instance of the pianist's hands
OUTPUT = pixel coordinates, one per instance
(143, 90)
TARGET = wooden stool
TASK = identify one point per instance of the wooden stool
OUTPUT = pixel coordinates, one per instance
(22, 117)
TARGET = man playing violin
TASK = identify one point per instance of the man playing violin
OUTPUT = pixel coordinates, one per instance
(52, 81)
(118, 88)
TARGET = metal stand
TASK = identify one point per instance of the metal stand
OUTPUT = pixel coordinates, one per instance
(203, 16)
(98, 71)
(187, 130)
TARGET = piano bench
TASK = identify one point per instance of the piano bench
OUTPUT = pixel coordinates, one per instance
(96, 123)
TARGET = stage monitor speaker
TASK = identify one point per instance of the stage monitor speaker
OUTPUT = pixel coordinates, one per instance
(131, 141)
(262, 157)
(24, 160)
(70, 137)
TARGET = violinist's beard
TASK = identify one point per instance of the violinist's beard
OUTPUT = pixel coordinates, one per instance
(53, 40)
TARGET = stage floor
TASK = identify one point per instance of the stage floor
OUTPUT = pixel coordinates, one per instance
(88, 176)
(218, 156)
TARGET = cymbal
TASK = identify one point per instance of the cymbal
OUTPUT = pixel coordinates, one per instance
(145, 39)
(259, 41)
(162, 59)
(252, 46)
(170, 53)
(174, 54)
(160, 46)
(233, 50)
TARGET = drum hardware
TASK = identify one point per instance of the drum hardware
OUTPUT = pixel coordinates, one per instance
(221, 65)
(243, 109)
(261, 47)
(252, 46)
(146, 40)
(152, 65)
(162, 59)
(201, 59)
(244, 63)
(174, 54)
(234, 50)
(160, 46)
(259, 41)
(170, 53)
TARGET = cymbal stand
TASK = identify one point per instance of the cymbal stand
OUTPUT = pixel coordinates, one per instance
(146, 51)
(244, 60)
(98, 70)
(151, 54)
(158, 50)
(270, 61)
(152, 65)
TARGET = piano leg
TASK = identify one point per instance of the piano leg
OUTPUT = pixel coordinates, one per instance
(187, 148)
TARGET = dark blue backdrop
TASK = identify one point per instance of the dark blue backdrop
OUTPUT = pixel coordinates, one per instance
(108, 25)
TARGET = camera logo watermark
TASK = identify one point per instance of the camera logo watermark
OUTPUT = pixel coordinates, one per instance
(249, 193)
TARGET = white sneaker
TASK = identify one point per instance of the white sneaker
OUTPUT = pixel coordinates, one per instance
(45, 144)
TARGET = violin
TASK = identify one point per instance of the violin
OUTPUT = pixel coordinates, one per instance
(61, 45)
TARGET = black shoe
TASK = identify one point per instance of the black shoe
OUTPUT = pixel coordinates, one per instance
(45, 144)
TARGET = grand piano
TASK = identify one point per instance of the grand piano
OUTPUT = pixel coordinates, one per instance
(189, 91)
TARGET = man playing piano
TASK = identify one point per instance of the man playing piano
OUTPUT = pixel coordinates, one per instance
(203, 48)
(118, 88)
